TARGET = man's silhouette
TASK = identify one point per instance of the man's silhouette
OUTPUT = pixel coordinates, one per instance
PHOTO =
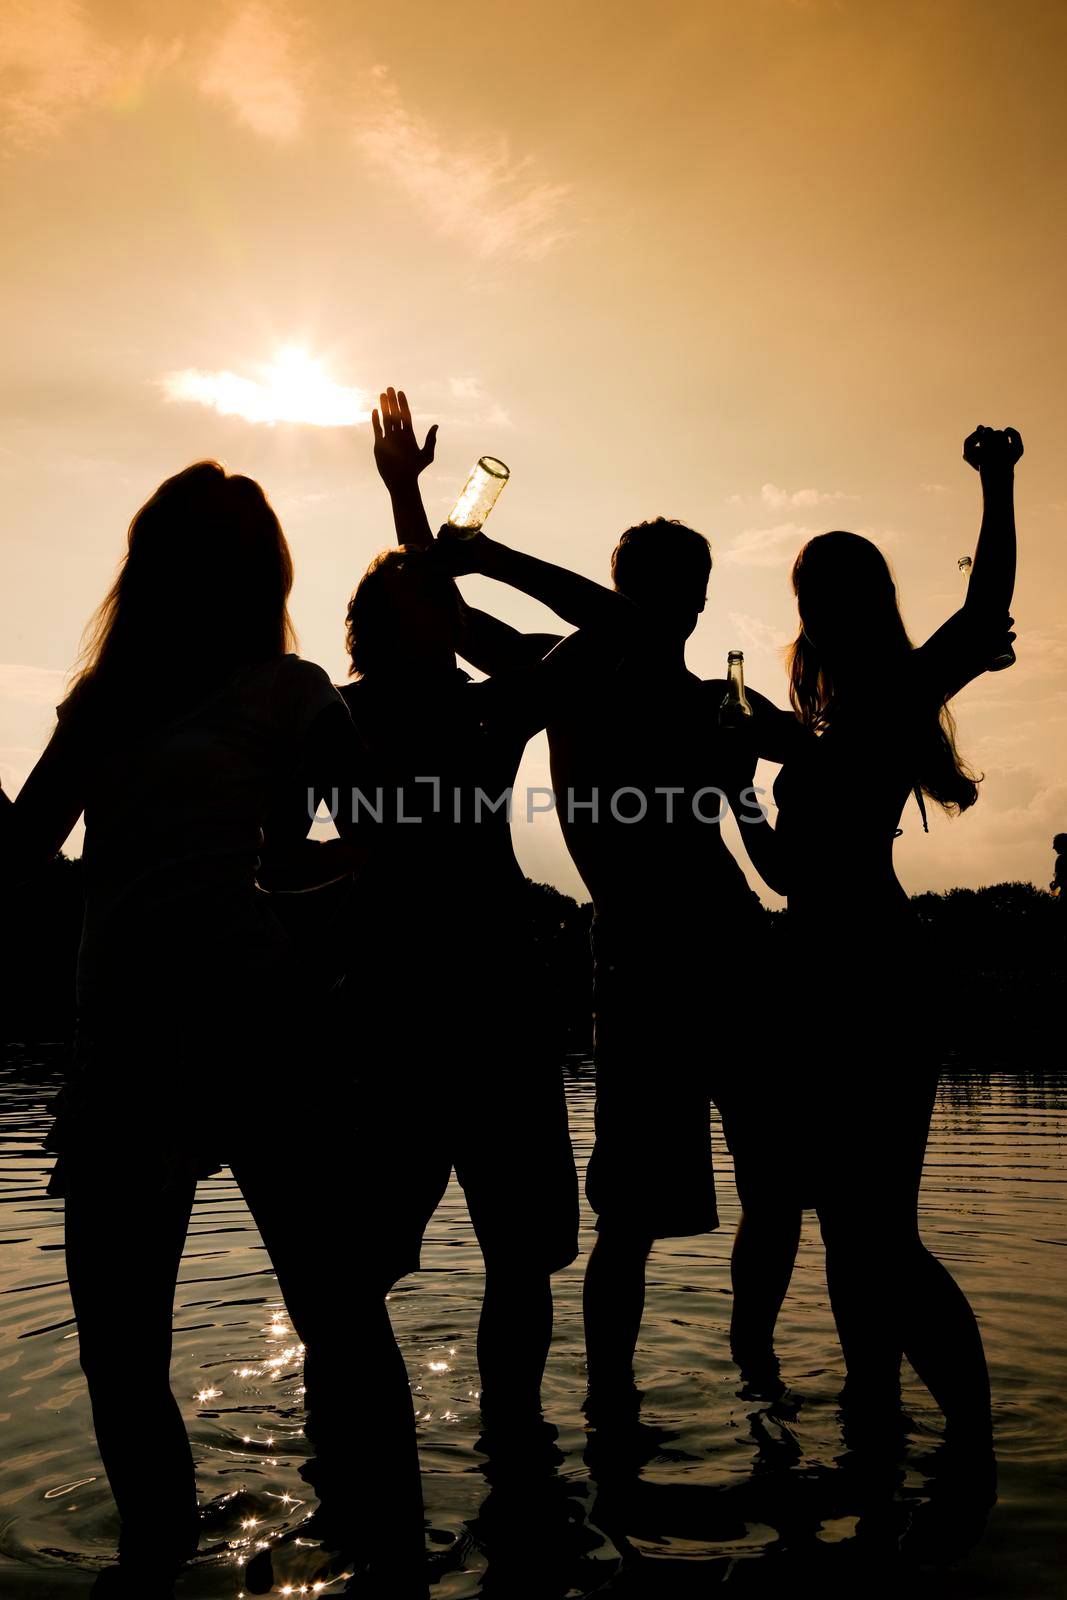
(640, 771)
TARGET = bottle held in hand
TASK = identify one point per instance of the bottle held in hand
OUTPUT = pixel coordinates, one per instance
(735, 710)
(1003, 658)
(480, 492)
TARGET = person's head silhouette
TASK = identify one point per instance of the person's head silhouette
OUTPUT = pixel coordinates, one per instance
(853, 642)
(205, 552)
(404, 616)
(664, 567)
(847, 601)
(1059, 844)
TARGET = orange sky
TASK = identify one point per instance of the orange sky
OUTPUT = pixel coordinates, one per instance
(760, 266)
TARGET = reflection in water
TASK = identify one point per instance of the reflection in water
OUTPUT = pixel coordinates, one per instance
(700, 1486)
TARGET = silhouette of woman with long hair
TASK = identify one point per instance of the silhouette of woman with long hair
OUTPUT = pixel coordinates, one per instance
(848, 1129)
(190, 723)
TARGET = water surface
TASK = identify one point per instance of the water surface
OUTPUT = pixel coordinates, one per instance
(712, 1490)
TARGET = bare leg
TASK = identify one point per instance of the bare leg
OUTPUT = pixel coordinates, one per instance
(761, 1267)
(122, 1265)
(614, 1303)
(866, 1283)
(355, 1378)
(890, 1295)
(514, 1334)
(943, 1343)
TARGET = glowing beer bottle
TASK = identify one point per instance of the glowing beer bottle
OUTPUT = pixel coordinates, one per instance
(480, 492)
(1003, 658)
(735, 710)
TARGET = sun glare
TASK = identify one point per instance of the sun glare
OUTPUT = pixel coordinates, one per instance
(291, 388)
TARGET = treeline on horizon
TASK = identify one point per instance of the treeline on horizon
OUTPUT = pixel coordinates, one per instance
(998, 954)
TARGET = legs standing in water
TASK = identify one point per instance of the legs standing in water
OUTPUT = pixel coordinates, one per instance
(761, 1266)
(613, 1305)
(890, 1295)
(356, 1383)
(514, 1334)
(122, 1264)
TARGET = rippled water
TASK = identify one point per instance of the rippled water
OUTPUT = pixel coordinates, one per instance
(717, 1490)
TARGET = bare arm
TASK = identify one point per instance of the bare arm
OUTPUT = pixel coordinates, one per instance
(36, 825)
(488, 644)
(993, 453)
(961, 649)
(761, 842)
(332, 761)
(493, 646)
(737, 751)
(777, 733)
(400, 459)
(578, 600)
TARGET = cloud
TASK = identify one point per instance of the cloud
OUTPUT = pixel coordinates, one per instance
(934, 488)
(480, 194)
(466, 388)
(253, 69)
(293, 388)
(28, 697)
(33, 686)
(52, 63)
(757, 634)
(57, 60)
(767, 547)
(776, 546)
(778, 499)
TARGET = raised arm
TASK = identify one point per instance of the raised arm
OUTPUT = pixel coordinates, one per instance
(492, 646)
(963, 647)
(606, 623)
(993, 452)
(578, 600)
(400, 459)
(489, 645)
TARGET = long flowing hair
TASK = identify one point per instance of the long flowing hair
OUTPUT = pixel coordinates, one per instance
(844, 587)
(202, 590)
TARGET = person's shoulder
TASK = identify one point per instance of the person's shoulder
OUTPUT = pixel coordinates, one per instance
(298, 669)
(72, 704)
(304, 686)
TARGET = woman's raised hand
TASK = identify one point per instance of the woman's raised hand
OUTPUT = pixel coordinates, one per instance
(993, 451)
(397, 453)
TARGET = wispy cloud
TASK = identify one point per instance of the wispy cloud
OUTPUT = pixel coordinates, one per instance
(52, 63)
(57, 59)
(757, 634)
(782, 499)
(28, 697)
(767, 547)
(468, 388)
(479, 193)
(777, 498)
(293, 388)
(34, 686)
(254, 69)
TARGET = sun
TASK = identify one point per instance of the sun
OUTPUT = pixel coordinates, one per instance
(294, 388)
